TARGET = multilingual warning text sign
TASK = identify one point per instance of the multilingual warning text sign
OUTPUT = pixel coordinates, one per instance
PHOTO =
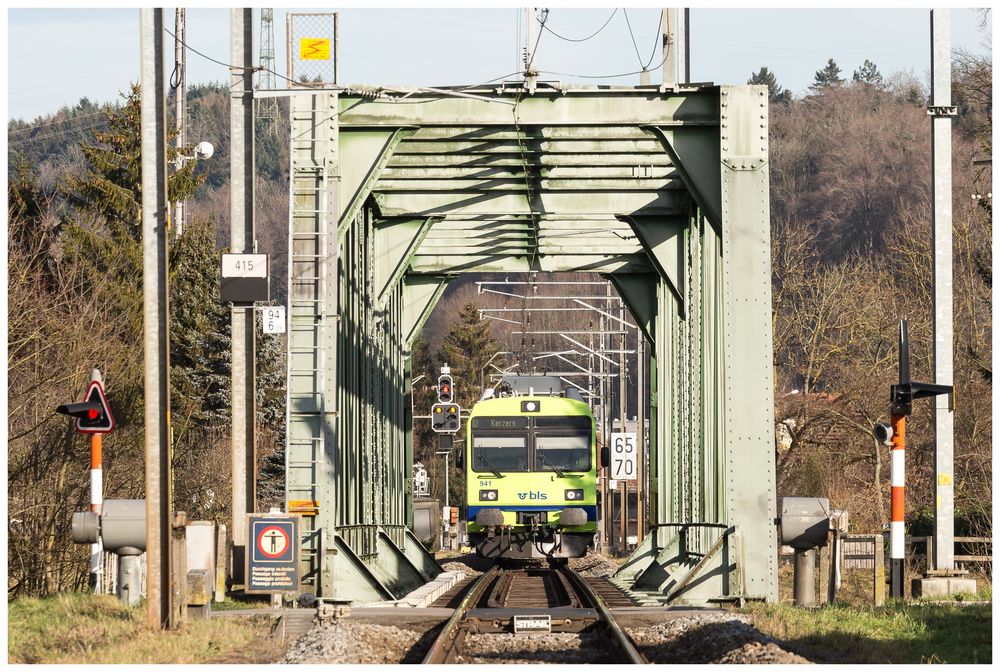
(273, 556)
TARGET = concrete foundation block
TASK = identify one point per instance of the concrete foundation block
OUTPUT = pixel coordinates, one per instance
(941, 586)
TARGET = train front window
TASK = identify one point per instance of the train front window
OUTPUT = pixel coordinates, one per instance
(566, 453)
(503, 453)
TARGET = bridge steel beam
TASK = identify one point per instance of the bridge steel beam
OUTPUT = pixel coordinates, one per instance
(663, 190)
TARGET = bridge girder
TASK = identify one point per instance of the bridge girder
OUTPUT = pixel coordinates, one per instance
(664, 191)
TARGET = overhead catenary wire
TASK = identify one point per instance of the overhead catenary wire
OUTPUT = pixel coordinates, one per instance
(657, 41)
(584, 39)
(623, 74)
(256, 68)
(634, 45)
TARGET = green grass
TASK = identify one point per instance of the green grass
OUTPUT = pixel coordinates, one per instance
(896, 633)
(241, 601)
(79, 628)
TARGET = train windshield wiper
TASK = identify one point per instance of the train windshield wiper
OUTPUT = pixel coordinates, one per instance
(490, 466)
(559, 471)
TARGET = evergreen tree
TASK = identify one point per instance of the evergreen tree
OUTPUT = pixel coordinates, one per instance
(828, 76)
(466, 349)
(869, 74)
(31, 229)
(775, 93)
(270, 363)
(103, 240)
(200, 347)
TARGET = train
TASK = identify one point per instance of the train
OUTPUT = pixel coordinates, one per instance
(531, 463)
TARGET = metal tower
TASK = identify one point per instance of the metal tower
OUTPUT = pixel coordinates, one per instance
(267, 108)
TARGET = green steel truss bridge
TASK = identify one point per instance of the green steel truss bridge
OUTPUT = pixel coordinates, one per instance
(662, 190)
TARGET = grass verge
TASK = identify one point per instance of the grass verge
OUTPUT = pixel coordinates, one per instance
(79, 628)
(896, 633)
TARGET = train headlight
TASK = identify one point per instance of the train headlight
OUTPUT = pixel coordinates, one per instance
(574, 495)
(488, 495)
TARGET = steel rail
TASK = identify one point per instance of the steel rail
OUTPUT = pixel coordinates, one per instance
(625, 646)
(444, 649)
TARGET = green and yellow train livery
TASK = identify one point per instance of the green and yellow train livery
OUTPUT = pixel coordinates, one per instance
(531, 477)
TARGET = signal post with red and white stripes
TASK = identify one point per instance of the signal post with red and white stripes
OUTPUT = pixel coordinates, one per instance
(897, 530)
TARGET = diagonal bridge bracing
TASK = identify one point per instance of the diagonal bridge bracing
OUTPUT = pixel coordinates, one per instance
(663, 191)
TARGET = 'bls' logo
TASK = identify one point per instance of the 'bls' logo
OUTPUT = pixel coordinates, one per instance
(531, 495)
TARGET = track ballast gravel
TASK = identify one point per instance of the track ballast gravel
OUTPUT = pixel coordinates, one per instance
(709, 638)
(558, 647)
(593, 565)
(345, 642)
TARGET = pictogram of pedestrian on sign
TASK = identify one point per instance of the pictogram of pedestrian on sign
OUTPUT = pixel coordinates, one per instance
(273, 541)
(273, 557)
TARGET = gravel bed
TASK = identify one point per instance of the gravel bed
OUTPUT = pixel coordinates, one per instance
(709, 638)
(593, 564)
(468, 563)
(346, 642)
(558, 647)
(460, 567)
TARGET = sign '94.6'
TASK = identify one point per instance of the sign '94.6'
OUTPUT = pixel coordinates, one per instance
(245, 278)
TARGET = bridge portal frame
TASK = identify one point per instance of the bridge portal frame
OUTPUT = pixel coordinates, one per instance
(663, 190)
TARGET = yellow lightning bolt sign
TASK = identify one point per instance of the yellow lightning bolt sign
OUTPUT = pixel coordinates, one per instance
(314, 49)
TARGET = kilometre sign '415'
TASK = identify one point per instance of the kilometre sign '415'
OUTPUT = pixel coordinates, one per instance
(245, 278)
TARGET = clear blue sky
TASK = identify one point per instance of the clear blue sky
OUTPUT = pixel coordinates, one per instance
(98, 49)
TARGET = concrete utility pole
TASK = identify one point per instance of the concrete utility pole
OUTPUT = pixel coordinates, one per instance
(676, 46)
(156, 338)
(242, 240)
(180, 109)
(530, 69)
(941, 111)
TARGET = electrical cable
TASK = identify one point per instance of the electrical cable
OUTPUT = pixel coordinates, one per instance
(623, 74)
(256, 68)
(632, 35)
(658, 40)
(528, 190)
(54, 123)
(570, 39)
(534, 49)
(23, 141)
(188, 46)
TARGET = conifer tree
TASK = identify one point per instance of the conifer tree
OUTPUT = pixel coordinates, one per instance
(466, 349)
(103, 239)
(775, 93)
(199, 336)
(828, 76)
(868, 74)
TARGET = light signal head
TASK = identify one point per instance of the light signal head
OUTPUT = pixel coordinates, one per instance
(92, 415)
(446, 417)
(445, 389)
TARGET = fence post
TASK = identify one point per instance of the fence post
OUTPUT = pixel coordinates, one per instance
(930, 554)
(824, 573)
(878, 566)
(834, 567)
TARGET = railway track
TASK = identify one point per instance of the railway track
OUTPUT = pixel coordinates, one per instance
(533, 600)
